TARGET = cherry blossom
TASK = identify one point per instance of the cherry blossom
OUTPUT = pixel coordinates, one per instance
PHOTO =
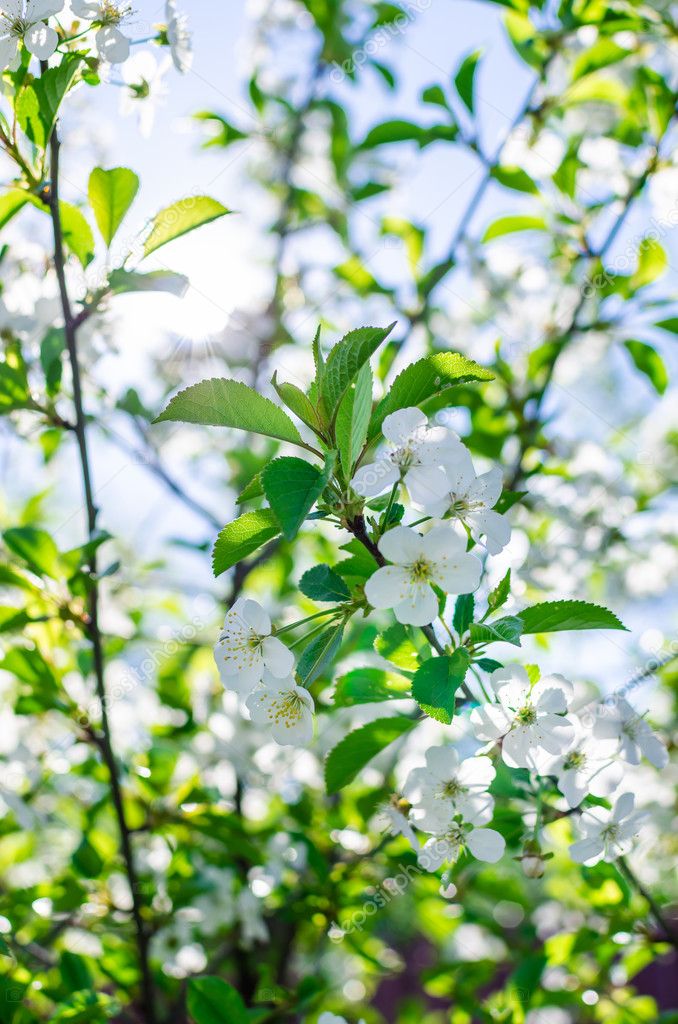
(634, 736)
(608, 834)
(587, 767)
(179, 37)
(484, 843)
(107, 16)
(144, 76)
(284, 708)
(447, 787)
(528, 719)
(246, 648)
(470, 498)
(438, 558)
(24, 20)
(414, 457)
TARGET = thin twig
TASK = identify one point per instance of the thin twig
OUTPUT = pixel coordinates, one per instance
(93, 630)
(670, 933)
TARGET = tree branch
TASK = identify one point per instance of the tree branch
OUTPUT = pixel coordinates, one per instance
(71, 324)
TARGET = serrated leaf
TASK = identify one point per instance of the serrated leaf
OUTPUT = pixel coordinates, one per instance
(37, 103)
(395, 646)
(554, 616)
(180, 218)
(464, 80)
(300, 404)
(243, 536)
(77, 234)
(436, 682)
(321, 583)
(464, 607)
(220, 402)
(369, 686)
(507, 630)
(346, 359)
(509, 225)
(353, 417)
(351, 755)
(497, 597)
(421, 380)
(320, 652)
(254, 489)
(111, 193)
(292, 487)
(213, 1001)
(649, 362)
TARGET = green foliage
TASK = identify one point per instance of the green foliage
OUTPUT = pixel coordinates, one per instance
(649, 362)
(292, 488)
(356, 750)
(111, 193)
(229, 403)
(242, 537)
(353, 417)
(435, 684)
(323, 584)
(552, 616)
(181, 217)
(345, 361)
(369, 686)
(214, 1001)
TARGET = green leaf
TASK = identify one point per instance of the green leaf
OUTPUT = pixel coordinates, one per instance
(435, 95)
(36, 548)
(346, 760)
(319, 653)
(14, 390)
(652, 263)
(243, 536)
(214, 1001)
(509, 225)
(180, 218)
(648, 361)
(353, 417)
(464, 80)
(669, 325)
(424, 379)
(435, 684)
(369, 686)
(392, 131)
(515, 178)
(300, 404)
(346, 359)
(121, 281)
(292, 487)
(507, 630)
(51, 349)
(254, 489)
(77, 233)
(111, 193)
(553, 616)
(323, 584)
(603, 53)
(220, 402)
(395, 646)
(463, 612)
(40, 690)
(10, 203)
(37, 104)
(498, 597)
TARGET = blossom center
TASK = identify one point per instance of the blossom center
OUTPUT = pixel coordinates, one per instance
(526, 715)
(286, 709)
(420, 570)
(112, 12)
(452, 789)
(575, 761)
(405, 457)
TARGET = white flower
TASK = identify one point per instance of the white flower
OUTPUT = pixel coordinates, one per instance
(587, 767)
(529, 718)
(179, 37)
(397, 823)
(107, 16)
(252, 923)
(438, 558)
(607, 834)
(470, 499)
(484, 843)
(635, 737)
(446, 787)
(333, 1018)
(246, 648)
(285, 708)
(144, 77)
(415, 457)
(24, 20)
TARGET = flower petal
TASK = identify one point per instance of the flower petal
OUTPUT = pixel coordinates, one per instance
(375, 478)
(256, 617)
(443, 762)
(277, 658)
(552, 693)
(401, 545)
(511, 684)
(387, 586)
(443, 542)
(490, 721)
(486, 844)
(86, 8)
(401, 425)
(587, 851)
(487, 487)
(8, 51)
(427, 486)
(493, 526)
(112, 45)
(418, 608)
(459, 574)
(36, 10)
